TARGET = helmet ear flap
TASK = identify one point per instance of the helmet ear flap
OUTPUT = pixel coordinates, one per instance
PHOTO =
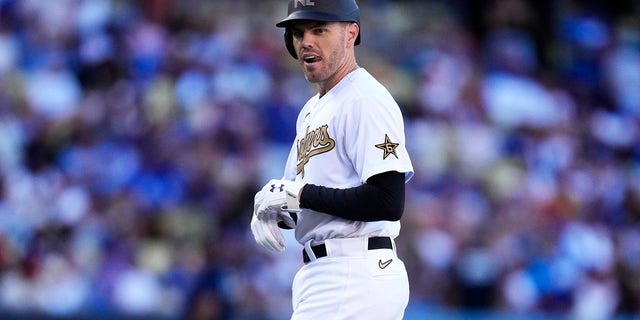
(288, 41)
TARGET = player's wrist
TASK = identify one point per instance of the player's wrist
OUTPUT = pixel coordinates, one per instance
(294, 192)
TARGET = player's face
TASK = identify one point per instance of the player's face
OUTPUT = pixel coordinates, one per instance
(325, 50)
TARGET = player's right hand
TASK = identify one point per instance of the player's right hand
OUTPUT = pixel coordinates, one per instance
(267, 233)
(266, 223)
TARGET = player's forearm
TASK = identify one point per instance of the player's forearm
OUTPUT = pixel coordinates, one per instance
(381, 198)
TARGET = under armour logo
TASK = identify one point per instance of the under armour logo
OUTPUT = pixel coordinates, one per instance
(304, 3)
(273, 188)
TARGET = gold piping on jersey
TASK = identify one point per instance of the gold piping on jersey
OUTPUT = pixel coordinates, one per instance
(314, 143)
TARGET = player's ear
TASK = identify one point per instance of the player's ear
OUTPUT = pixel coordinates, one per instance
(352, 32)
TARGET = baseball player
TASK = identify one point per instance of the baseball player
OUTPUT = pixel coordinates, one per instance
(344, 183)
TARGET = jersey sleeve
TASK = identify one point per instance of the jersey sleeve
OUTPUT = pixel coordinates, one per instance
(374, 137)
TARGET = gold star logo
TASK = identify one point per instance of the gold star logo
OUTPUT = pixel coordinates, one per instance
(388, 147)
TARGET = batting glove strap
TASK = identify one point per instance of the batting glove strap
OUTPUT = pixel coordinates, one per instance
(293, 190)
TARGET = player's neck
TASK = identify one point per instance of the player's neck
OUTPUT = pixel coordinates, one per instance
(342, 72)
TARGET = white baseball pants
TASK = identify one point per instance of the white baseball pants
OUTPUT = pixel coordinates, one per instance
(351, 283)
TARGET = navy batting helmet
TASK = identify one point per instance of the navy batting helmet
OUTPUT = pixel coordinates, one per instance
(319, 10)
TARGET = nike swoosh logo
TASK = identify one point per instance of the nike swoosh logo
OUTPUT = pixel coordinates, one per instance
(385, 264)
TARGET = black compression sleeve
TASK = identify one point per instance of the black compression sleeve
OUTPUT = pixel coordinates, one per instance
(381, 198)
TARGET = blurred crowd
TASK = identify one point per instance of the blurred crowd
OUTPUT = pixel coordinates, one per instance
(134, 135)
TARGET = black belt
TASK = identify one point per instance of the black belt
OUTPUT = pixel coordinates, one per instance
(374, 243)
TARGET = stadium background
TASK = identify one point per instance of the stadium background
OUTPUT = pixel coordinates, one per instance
(134, 134)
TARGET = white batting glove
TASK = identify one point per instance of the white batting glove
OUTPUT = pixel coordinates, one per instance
(268, 213)
(280, 195)
(268, 234)
(266, 231)
(257, 202)
(262, 211)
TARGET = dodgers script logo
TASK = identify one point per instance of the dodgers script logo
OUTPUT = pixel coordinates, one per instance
(304, 3)
(315, 142)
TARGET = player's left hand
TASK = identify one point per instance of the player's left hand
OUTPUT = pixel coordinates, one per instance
(261, 211)
(278, 195)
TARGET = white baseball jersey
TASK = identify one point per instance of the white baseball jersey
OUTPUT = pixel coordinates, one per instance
(353, 132)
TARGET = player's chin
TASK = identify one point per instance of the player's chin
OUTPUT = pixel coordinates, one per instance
(310, 75)
(312, 78)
